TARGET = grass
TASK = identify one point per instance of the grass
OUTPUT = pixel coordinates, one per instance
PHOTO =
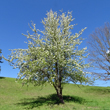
(15, 97)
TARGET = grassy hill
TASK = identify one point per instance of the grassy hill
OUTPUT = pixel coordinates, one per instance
(15, 97)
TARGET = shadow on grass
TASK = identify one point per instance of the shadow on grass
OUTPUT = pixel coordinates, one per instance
(2, 77)
(49, 100)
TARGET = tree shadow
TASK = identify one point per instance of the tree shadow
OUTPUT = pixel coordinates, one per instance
(49, 100)
(2, 77)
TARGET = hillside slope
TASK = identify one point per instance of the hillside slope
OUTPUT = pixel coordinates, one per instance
(14, 96)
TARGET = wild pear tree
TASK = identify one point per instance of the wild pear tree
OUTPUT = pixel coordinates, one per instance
(52, 56)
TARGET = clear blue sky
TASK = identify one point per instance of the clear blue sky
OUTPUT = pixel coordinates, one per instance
(16, 14)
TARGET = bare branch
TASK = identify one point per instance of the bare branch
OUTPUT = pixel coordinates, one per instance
(99, 43)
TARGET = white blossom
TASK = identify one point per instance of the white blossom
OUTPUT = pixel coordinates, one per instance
(55, 45)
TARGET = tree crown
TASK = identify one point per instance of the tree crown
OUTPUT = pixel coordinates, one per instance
(52, 56)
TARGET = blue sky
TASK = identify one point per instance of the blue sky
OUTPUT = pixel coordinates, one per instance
(16, 14)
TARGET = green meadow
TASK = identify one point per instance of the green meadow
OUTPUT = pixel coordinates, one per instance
(14, 96)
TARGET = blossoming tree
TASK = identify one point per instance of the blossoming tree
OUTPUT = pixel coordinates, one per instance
(52, 56)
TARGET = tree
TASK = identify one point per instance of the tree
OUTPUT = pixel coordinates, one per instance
(99, 45)
(52, 56)
(0, 58)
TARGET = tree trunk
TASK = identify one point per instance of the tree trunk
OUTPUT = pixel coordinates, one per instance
(57, 84)
(59, 94)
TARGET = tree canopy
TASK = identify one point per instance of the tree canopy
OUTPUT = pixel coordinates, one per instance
(53, 55)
